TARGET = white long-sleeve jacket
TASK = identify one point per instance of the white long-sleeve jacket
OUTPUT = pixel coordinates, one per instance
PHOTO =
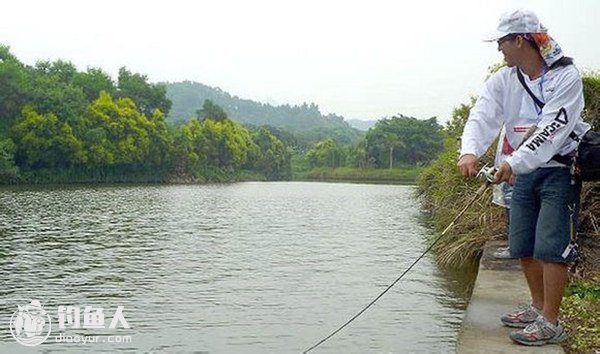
(505, 101)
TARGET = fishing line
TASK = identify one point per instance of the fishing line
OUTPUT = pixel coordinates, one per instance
(488, 174)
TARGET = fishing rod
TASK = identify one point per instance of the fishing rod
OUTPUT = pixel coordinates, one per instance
(488, 175)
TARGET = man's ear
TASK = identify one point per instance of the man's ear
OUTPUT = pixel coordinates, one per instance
(520, 41)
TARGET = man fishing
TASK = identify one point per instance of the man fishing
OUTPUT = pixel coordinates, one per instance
(538, 98)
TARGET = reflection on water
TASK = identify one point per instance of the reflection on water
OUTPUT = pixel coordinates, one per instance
(248, 267)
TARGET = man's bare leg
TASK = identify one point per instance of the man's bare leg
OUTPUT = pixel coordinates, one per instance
(555, 281)
(535, 276)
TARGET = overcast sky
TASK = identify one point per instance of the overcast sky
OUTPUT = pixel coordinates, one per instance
(359, 59)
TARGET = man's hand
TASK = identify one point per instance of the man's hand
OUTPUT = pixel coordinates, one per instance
(468, 165)
(503, 174)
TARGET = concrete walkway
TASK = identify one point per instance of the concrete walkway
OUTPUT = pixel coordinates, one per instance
(499, 287)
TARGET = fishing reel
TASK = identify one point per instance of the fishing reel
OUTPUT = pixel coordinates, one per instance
(487, 173)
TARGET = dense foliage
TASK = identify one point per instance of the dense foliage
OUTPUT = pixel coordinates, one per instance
(404, 139)
(395, 141)
(58, 124)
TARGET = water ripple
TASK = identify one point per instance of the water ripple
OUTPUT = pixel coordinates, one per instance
(248, 267)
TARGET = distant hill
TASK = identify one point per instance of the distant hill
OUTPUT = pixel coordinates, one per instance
(304, 120)
(363, 125)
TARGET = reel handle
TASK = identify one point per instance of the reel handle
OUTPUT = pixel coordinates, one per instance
(488, 173)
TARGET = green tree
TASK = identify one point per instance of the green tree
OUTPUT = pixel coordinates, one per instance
(13, 89)
(161, 140)
(357, 155)
(51, 91)
(404, 139)
(326, 153)
(61, 70)
(273, 159)
(44, 142)
(93, 81)
(116, 132)
(393, 141)
(147, 96)
(211, 111)
(460, 114)
(220, 144)
(8, 170)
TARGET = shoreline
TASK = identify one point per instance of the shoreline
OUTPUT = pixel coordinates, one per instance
(234, 179)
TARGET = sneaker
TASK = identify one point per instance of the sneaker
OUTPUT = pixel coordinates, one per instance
(540, 332)
(503, 253)
(523, 316)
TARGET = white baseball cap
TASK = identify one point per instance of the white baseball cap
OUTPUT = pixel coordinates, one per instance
(520, 21)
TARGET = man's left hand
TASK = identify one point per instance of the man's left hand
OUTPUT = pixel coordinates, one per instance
(503, 174)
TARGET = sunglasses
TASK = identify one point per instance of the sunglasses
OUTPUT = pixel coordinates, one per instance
(508, 37)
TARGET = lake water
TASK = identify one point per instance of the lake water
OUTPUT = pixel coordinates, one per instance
(259, 267)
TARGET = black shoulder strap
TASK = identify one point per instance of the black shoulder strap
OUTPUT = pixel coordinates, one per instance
(535, 99)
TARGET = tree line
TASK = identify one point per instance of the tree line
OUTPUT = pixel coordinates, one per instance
(399, 140)
(60, 124)
(55, 118)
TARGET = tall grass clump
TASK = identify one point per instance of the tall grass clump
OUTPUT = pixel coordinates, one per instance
(590, 195)
(444, 193)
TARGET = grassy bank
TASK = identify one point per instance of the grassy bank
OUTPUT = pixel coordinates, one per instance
(444, 193)
(580, 310)
(407, 174)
